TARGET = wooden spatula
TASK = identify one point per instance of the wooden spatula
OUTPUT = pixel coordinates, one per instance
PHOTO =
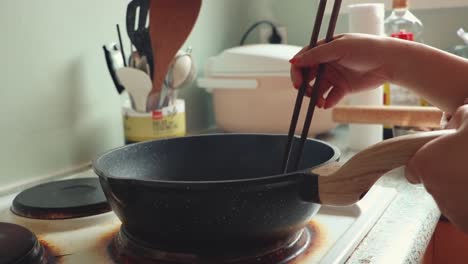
(171, 21)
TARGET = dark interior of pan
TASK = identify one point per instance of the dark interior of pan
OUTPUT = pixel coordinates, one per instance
(209, 158)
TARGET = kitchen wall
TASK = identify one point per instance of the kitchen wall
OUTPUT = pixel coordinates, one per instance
(59, 107)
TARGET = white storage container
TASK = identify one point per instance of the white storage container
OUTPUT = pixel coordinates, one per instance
(253, 93)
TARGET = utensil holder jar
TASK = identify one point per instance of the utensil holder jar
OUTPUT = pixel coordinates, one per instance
(167, 122)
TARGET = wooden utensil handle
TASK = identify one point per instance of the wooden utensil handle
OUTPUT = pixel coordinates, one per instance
(344, 185)
(415, 116)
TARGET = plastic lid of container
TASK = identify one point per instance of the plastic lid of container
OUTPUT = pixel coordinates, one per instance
(252, 60)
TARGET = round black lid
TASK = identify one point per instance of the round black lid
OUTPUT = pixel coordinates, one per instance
(62, 200)
(19, 245)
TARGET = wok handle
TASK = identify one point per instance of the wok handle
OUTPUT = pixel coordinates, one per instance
(344, 185)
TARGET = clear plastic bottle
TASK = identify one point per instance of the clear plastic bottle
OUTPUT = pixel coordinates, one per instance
(402, 24)
(402, 20)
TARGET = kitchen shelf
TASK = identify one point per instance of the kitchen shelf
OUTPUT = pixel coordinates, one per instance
(414, 4)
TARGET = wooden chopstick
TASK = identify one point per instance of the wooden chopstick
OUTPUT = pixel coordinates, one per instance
(305, 84)
(303, 88)
(318, 79)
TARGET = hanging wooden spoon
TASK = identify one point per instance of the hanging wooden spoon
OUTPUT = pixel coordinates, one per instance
(171, 22)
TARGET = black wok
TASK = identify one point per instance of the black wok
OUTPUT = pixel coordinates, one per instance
(199, 193)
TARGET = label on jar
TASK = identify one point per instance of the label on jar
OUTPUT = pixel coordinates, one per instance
(165, 123)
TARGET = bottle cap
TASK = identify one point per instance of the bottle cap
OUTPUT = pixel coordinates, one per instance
(403, 35)
(400, 4)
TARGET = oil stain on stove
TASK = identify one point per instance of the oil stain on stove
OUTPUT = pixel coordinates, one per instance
(107, 237)
(53, 254)
(316, 243)
(105, 241)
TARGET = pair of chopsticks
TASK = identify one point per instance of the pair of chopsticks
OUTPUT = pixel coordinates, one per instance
(305, 83)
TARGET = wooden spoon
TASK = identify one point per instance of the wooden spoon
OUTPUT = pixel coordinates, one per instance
(171, 21)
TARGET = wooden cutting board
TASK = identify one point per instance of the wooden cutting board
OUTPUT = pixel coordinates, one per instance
(407, 116)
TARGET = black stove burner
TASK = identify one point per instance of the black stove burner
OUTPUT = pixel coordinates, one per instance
(62, 200)
(20, 246)
(125, 249)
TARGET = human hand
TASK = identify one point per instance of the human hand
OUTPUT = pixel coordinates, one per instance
(442, 167)
(354, 62)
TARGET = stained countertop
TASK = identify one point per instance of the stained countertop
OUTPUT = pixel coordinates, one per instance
(403, 232)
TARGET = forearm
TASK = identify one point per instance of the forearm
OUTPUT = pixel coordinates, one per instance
(439, 77)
